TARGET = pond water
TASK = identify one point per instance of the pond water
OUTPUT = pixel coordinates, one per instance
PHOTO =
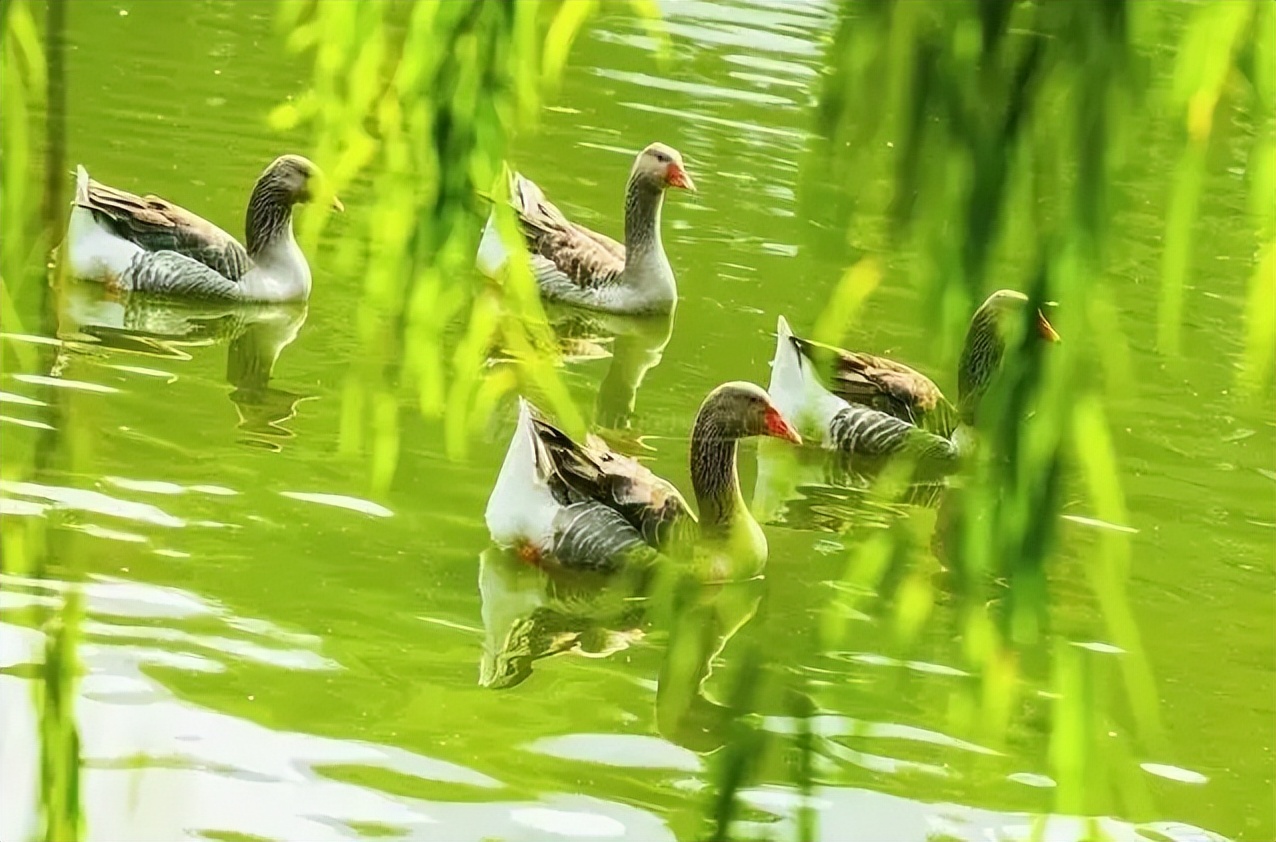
(272, 655)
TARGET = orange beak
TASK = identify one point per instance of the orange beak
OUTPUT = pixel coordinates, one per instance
(1046, 329)
(779, 427)
(676, 176)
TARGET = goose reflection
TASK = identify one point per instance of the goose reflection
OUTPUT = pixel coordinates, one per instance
(634, 344)
(638, 346)
(812, 488)
(529, 614)
(704, 618)
(250, 363)
(255, 334)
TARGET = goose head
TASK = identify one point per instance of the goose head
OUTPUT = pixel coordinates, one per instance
(996, 324)
(739, 410)
(1003, 312)
(298, 180)
(660, 165)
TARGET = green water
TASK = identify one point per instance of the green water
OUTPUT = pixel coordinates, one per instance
(272, 655)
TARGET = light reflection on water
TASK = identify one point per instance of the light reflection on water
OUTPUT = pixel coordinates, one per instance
(158, 767)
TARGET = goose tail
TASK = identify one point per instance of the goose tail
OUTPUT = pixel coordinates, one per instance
(81, 186)
(789, 372)
(91, 249)
(492, 254)
(796, 388)
(521, 507)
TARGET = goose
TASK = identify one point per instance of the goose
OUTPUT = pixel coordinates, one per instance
(145, 243)
(863, 436)
(578, 266)
(586, 507)
(880, 408)
(896, 389)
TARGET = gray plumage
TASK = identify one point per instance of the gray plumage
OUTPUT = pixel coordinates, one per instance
(860, 432)
(170, 273)
(589, 536)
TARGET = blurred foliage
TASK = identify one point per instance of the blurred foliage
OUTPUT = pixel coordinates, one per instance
(33, 84)
(23, 84)
(992, 134)
(418, 100)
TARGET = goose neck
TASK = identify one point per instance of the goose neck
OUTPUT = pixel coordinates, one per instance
(713, 473)
(980, 359)
(268, 220)
(643, 202)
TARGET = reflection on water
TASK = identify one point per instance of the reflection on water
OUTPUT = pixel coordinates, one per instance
(94, 321)
(637, 347)
(633, 346)
(811, 488)
(157, 767)
(529, 614)
(250, 362)
(704, 618)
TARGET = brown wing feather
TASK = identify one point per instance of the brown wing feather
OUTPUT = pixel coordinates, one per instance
(157, 224)
(593, 471)
(584, 257)
(887, 386)
(613, 247)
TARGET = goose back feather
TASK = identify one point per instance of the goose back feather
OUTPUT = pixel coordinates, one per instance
(885, 385)
(592, 471)
(156, 224)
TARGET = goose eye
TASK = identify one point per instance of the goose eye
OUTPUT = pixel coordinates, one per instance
(662, 157)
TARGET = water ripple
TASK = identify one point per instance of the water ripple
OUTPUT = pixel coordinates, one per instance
(92, 501)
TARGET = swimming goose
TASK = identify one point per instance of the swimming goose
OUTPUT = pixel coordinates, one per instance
(587, 507)
(869, 393)
(866, 437)
(145, 243)
(898, 390)
(576, 265)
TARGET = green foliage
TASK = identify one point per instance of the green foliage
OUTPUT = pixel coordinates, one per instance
(23, 80)
(32, 82)
(993, 133)
(1227, 57)
(418, 101)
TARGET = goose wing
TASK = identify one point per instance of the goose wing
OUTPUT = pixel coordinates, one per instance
(563, 251)
(169, 273)
(156, 224)
(887, 386)
(594, 472)
(869, 438)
